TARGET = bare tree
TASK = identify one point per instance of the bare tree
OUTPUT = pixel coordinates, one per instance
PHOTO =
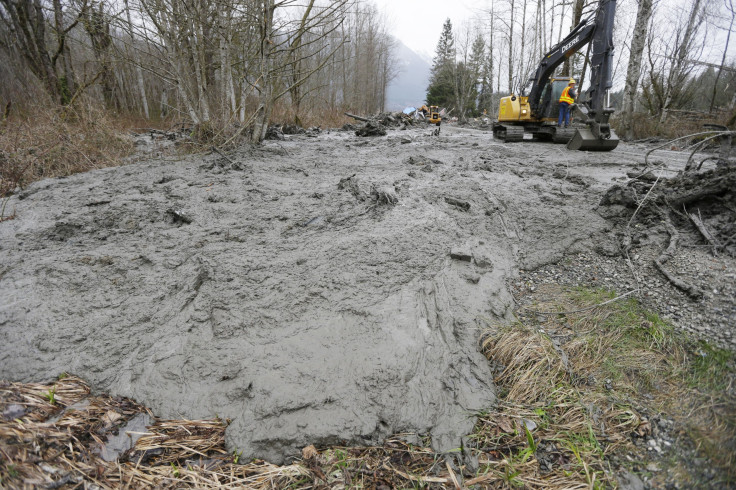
(684, 43)
(732, 10)
(48, 57)
(139, 70)
(97, 24)
(633, 73)
(577, 14)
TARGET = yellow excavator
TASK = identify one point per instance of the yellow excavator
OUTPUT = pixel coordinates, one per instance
(432, 113)
(536, 110)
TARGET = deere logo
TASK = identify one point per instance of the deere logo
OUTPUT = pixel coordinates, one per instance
(569, 45)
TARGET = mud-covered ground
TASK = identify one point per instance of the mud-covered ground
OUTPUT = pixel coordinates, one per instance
(323, 289)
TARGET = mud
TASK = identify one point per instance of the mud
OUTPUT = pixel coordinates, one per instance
(316, 290)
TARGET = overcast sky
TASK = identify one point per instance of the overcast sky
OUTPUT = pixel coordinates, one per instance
(418, 23)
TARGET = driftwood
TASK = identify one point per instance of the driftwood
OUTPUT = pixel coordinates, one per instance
(359, 118)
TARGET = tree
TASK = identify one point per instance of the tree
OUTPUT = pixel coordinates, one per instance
(467, 73)
(732, 10)
(577, 14)
(97, 24)
(633, 72)
(441, 90)
(684, 43)
(48, 57)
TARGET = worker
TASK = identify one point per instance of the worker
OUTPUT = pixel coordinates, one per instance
(566, 100)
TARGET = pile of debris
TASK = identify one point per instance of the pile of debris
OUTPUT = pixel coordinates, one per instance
(700, 204)
(278, 131)
(376, 125)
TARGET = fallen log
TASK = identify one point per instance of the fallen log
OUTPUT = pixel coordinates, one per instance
(359, 118)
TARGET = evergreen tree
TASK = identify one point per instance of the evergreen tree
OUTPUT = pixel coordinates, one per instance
(441, 91)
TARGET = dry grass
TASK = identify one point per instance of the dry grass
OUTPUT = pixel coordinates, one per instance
(588, 381)
(322, 117)
(574, 400)
(51, 142)
(677, 125)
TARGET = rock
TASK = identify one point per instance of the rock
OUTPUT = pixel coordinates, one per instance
(422, 160)
(126, 437)
(461, 254)
(464, 205)
(177, 216)
(275, 133)
(13, 411)
(629, 481)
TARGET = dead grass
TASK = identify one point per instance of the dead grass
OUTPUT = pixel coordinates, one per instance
(323, 117)
(578, 393)
(677, 125)
(589, 382)
(50, 142)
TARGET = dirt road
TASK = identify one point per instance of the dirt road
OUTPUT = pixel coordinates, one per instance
(314, 290)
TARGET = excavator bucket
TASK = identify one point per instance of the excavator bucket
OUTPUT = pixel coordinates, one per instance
(584, 140)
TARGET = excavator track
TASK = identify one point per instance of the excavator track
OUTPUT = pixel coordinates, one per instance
(563, 135)
(508, 133)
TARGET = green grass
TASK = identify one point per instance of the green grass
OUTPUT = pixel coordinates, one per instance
(622, 359)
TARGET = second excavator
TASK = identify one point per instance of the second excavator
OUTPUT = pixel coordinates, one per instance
(535, 110)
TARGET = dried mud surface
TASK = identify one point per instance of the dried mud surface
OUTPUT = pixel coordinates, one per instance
(318, 290)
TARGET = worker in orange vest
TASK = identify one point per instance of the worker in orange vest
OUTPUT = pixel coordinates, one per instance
(566, 100)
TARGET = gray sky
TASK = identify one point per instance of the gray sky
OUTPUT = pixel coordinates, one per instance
(418, 23)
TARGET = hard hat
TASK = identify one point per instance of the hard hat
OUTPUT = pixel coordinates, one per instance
(572, 80)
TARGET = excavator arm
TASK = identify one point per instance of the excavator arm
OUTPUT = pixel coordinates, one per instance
(593, 105)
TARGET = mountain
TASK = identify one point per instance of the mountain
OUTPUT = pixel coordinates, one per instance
(409, 88)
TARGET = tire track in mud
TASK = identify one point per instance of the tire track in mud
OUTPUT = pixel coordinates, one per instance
(303, 313)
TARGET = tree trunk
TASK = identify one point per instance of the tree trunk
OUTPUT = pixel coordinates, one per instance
(263, 113)
(138, 69)
(680, 58)
(511, 49)
(577, 14)
(723, 59)
(68, 83)
(633, 73)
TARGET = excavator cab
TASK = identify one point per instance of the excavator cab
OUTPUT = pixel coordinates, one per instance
(551, 97)
(434, 115)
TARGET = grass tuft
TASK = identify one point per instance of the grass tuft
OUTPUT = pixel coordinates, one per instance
(591, 380)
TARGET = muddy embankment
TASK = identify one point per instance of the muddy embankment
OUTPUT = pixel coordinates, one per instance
(261, 289)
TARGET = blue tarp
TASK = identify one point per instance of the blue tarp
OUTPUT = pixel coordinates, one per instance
(409, 110)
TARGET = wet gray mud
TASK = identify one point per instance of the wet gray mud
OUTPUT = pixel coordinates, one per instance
(314, 291)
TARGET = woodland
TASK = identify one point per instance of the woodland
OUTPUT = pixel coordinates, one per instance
(83, 71)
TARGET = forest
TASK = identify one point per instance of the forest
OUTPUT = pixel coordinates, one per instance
(224, 70)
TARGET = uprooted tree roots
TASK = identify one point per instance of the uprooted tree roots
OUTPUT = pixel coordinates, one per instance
(692, 202)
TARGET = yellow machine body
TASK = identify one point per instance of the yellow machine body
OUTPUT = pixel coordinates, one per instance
(434, 115)
(514, 109)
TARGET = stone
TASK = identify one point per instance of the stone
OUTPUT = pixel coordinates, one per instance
(461, 254)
